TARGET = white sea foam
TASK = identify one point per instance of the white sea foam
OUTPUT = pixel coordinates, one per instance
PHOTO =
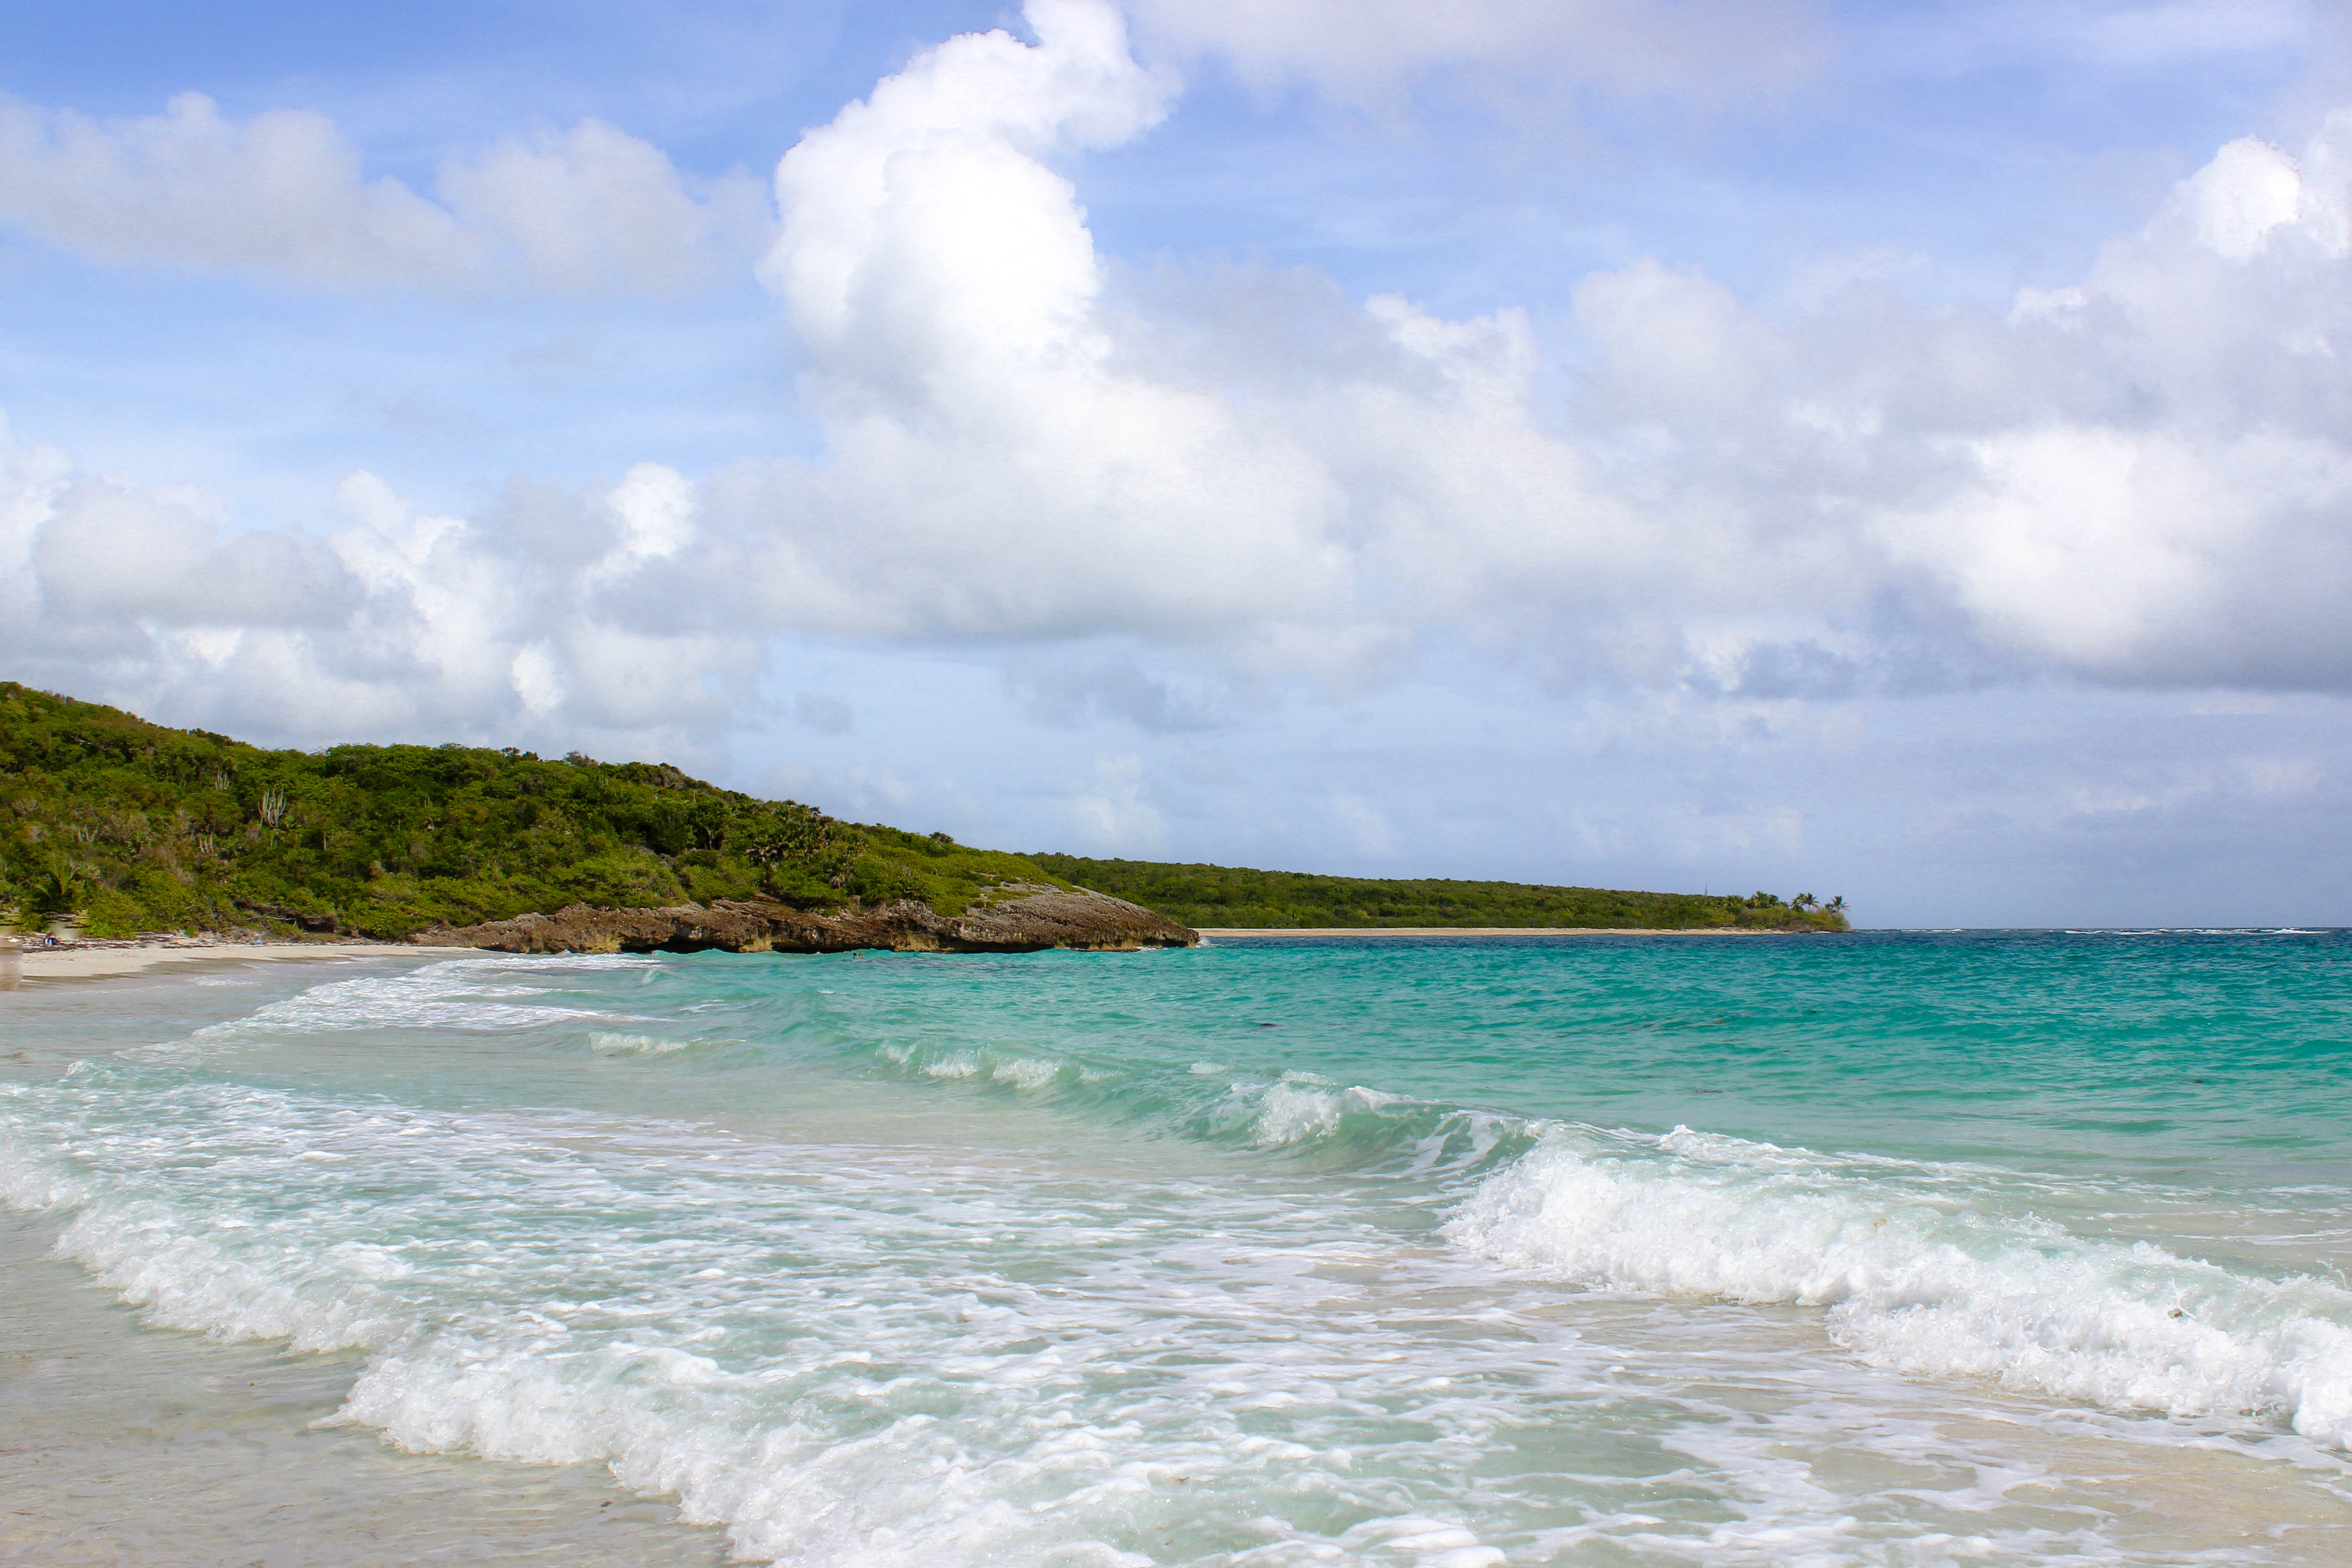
(1306, 1112)
(550, 1290)
(614, 1043)
(1025, 1072)
(812, 1347)
(1925, 1284)
(1302, 1108)
(463, 994)
(486, 995)
(160, 1259)
(993, 1064)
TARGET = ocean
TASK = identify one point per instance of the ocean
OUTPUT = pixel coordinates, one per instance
(1885, 1248)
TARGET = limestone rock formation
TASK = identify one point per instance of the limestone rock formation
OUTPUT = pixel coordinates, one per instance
(1046, 918)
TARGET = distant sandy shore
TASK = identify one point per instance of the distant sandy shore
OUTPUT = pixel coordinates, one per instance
(92, 963)
(1476, 931)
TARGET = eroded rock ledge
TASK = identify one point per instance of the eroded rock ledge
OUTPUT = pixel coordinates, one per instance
(1088, 921)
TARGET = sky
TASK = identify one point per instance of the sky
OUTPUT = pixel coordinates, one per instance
(1896, 451)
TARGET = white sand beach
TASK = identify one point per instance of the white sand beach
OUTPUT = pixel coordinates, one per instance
(92, 960)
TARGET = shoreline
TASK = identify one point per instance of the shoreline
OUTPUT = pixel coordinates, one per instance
(49, 965)
(92, 963)
(1257, 931)
(135, 1443)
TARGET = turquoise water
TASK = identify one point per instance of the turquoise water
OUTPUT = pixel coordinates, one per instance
(1887, 1248)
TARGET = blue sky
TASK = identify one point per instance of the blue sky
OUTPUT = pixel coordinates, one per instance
(1889, 450)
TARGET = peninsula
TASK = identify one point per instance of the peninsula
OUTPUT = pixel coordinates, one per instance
(130, 827)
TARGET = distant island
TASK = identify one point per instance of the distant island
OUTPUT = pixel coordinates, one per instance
(130, 827)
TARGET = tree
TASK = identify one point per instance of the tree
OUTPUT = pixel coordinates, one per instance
(825, 847)
(1804, 901)
(58, 887)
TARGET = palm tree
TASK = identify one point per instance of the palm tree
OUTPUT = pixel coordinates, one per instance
(58, 887)
(1804, 901)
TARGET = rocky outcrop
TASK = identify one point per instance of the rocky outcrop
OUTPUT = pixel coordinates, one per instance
(1027, 924)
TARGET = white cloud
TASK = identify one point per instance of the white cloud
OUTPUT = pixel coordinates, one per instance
(993, 468)
(2153, 480)
(2247, 191)
(389, 623)
(284, 195)
(654, 506)
(30, 480)
(110, 555)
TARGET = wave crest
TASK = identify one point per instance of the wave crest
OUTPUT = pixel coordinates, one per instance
(1926, 1287)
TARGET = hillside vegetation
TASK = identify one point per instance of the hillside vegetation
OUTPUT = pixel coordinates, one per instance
(1211, 896)
(142, 828)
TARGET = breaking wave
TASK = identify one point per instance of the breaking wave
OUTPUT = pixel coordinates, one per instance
(1923, 1282)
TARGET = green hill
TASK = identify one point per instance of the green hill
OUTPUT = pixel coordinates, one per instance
(1211, 895)
(144, 828)
(141, 828)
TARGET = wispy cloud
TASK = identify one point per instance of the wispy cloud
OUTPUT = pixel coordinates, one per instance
(285, 195)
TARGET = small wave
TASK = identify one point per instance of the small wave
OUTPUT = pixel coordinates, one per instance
(154, 1258)
(1026, 1072)
(1300, 1114)
(612, 1042)
(1300, 1110)
(1923, 1287)
(1353, 1126)
(1013, 1071)
(544, 963)
(463, 994)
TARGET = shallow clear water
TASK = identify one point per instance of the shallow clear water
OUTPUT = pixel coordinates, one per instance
(1889, 1249)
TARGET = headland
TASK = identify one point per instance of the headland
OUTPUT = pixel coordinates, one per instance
(128, 830)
